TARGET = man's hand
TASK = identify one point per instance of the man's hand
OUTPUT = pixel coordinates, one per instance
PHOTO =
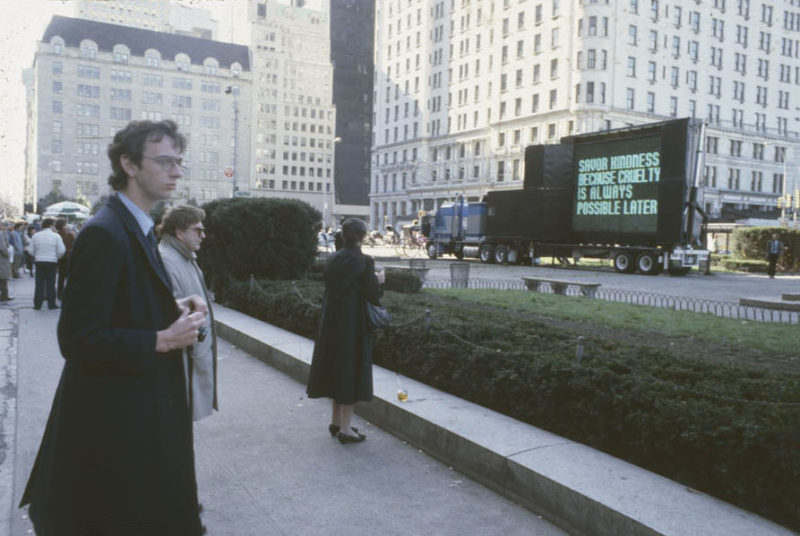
(193, 303)
(181, 333)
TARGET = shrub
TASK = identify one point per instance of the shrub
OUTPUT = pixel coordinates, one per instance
(268, 238)
(404, 281)
(730, 431)
(316, 272)
(745, 265)
(751, 243)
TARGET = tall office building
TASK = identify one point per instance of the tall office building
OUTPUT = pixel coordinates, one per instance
(352, 29)
(156, 15)
(91, 78)
(461, 87)
(293, 116)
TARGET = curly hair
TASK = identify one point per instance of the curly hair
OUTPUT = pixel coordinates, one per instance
(130, 142)
(179, 218)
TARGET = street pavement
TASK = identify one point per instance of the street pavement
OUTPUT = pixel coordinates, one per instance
(266, 464)
(722, 286)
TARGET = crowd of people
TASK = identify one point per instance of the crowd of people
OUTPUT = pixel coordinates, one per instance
(41, 250)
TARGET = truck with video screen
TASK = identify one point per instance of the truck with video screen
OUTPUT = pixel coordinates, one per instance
(631, 195)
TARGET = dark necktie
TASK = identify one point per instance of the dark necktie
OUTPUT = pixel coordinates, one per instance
(151, 237)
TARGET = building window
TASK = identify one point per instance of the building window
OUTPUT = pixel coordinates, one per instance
(632, 66)
(88, 51)
(629, 98)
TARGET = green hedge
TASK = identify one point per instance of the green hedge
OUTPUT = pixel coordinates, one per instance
(751, 243)
(267, 238)
(687, 419)
(403, 281)
(745, 265)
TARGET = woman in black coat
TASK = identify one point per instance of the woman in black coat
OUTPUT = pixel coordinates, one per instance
(341, 366)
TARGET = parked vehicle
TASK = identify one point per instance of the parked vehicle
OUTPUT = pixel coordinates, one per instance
(631, 195)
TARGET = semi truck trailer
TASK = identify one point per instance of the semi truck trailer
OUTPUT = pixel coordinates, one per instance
(632, 195)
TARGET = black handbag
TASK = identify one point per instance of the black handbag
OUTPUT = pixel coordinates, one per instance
(378, 317)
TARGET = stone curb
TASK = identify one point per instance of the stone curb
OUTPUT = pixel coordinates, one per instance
(582, 490)
(768, 303)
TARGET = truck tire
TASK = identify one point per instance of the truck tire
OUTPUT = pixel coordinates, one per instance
(501, 254)
(647, 264)
(624, 263)
(486, 253)
(432, 250)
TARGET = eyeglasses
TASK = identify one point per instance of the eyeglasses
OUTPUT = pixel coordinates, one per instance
(166, 162)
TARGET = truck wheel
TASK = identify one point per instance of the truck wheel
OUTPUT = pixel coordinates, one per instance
(432, 251)
(646, 264)
(486, 253)
(501, 254)
(623, 263)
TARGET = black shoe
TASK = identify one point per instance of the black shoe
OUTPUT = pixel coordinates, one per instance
(334, 430)
(344, 438)
(37, 308)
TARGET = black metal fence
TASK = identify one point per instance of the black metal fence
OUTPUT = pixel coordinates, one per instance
(718, 308)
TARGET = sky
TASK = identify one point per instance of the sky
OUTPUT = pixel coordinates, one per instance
(22, 24)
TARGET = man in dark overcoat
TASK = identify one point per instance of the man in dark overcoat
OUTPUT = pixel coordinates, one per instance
(117, 454)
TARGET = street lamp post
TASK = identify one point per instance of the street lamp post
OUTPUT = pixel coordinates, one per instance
(327, 211)
(235, 93)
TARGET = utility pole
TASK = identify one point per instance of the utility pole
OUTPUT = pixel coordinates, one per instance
(235, 93)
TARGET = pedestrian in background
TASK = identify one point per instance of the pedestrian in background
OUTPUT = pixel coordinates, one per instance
(182, 233)
(341, 365)
(6, 253)
(47, 248)
(26, 237)
(117, 457)
(68, 238)
(774, 250)
(15, 237)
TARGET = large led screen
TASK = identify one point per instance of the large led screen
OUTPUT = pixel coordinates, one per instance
(617, 185)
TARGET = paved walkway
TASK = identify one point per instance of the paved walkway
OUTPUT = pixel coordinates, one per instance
(265, 464)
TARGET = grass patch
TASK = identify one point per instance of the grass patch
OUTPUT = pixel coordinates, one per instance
(763, 337)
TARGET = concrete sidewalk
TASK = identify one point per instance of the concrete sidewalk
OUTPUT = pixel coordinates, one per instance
(266, 464)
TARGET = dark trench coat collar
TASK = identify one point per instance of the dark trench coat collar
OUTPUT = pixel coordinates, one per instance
(133, 228)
